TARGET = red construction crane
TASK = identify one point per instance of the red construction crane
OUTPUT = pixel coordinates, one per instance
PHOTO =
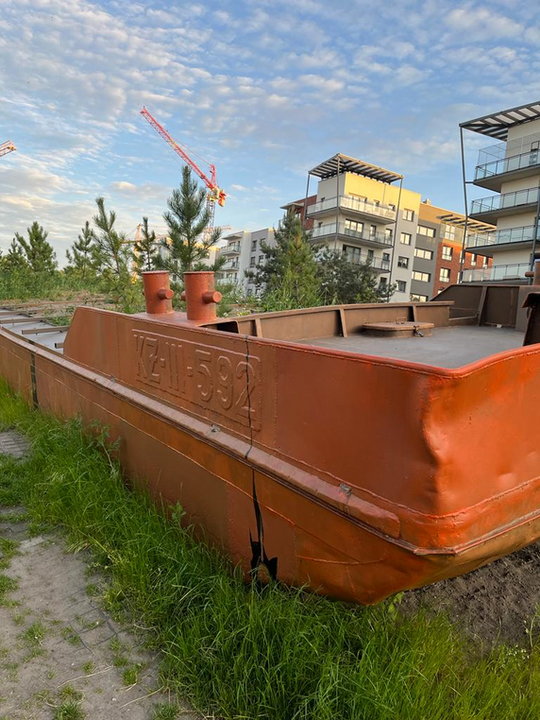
(6, 147)
(215, 193)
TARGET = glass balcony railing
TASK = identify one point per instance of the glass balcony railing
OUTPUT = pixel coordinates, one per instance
(501, 237)
(497, 272)
(516, 162)
(232, 249)
(341, 228)
(356, 204)
(501, 202)
(375, 263)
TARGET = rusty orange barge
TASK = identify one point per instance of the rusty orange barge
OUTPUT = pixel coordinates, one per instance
(359, 450)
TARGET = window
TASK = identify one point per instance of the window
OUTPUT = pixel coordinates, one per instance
(405, 238)
(391, 206)
(388, 233)
(401, 286)
(427, 231)
(424, 254)
(353, 254)
(486, 261)
(403, 262)
(386, 257)
(261, 259)
(473, 259)
(421, 276)
(370, 254)
(408, 214)
(449, 232)
(444, 275)
(418, 298)
(372, 231)
(383, 282)
(352, 226)
(252, 261)
(446, 252)
(253, 246)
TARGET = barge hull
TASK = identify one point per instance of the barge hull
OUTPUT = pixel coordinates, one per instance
(285, 469)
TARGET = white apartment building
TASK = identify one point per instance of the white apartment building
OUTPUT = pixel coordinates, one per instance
(511, 169)
(243, 252)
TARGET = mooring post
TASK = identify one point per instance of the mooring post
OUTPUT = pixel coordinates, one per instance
(157, 292)
(200, 296)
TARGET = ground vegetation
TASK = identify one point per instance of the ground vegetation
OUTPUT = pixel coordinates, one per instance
(254, 652)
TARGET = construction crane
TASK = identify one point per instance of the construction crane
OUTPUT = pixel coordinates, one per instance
(7, 147)
(215, 193)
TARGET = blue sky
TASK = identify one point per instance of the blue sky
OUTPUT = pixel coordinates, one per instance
(265, 89)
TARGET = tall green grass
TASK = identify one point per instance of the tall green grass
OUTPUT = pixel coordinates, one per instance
(241, 651)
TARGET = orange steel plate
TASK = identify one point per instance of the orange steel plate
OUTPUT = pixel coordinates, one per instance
(358, 476)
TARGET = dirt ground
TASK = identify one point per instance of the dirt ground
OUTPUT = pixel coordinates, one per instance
(61, 655)
(499, 602)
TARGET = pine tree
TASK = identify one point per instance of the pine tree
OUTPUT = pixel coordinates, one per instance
(187, 219)
(112, 257)
(110, 249)
(145, 250)
(288, 276)
(37, 251)
(15, 259)
(343, 282)
(81, 257)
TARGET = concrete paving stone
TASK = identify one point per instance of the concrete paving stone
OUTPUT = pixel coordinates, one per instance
(72, 647)
(14, 444)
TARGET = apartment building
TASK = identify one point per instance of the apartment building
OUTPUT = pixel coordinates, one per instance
(243, 252)
(364, 211)
(510, 168)
(439, 257)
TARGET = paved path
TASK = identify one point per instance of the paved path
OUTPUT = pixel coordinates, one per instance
(57, 646)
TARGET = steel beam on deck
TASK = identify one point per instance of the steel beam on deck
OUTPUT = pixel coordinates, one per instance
(36, 331)
(6, 321)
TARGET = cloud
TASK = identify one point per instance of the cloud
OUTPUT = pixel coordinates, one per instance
(262, 89)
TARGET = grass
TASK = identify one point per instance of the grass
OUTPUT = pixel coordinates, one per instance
(241, 651)
(7, 585)
(130, 676)
(69, 710)
(165, 711)
(32, 638)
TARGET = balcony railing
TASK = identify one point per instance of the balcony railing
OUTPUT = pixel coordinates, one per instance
(502, 237)
(497, 272)
(340, 229)
(501, 202)
(515, 162)
(347, 202)
(233, 249)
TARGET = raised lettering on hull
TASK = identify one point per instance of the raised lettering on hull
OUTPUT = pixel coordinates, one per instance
(225, 382)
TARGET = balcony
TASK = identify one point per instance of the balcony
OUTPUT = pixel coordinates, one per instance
(353, 206)
(378, 264)
(492, 175)
(497, 273)
(491, 208)
(501, 240)
(346, 234)
(231, 250)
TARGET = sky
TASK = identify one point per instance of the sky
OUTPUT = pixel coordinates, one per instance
(264, 89)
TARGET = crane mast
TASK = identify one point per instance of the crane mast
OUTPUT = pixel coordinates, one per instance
(7, 147)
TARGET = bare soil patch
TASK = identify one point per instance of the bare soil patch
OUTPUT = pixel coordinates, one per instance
(498, 603)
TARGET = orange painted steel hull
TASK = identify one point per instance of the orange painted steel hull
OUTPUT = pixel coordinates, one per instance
(365, 470)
